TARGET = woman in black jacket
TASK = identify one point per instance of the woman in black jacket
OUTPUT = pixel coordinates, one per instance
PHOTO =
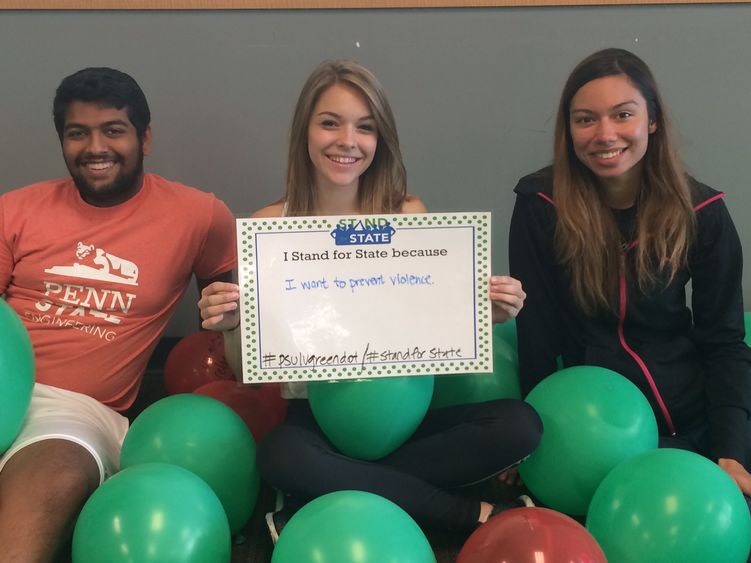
(605, 241)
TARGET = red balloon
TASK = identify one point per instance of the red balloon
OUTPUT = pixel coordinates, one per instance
(261, 407)
(531, 535)
(196, 360)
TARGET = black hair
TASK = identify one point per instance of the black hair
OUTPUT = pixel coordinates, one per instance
(106, 86)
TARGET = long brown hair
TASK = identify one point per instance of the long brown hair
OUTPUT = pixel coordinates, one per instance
(588, 241)
(383, 186)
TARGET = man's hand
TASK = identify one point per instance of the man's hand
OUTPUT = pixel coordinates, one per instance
(219, 306)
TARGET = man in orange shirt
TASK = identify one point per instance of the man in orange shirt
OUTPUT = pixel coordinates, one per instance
(94, 265)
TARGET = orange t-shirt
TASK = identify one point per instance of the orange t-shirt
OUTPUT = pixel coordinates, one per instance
(96, 286)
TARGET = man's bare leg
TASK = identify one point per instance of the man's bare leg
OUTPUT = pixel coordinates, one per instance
(42, 489)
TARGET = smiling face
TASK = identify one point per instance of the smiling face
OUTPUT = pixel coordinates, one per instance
(342, 138)
(610, 129)
(103, 153)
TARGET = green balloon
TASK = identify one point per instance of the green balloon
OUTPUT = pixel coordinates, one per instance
(370, 418)
(505, 332)
(152, 513)
(352, 527)
(747, 324)
(593, 419)
(205, 437)
(16, 374)
(503, 383)
(670, 505)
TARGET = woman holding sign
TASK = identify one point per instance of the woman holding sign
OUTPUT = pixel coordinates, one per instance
(605, 242)
(344, 159)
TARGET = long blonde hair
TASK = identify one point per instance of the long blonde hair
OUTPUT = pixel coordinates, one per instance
(588, 241)
(383, 186)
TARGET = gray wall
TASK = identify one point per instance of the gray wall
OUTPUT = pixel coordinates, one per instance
(474, 92)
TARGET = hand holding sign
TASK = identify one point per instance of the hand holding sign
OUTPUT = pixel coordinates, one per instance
(218, 306)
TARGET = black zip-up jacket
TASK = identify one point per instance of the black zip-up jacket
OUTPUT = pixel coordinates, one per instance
(691, 364)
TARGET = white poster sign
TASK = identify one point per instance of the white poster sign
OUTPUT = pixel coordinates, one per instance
(365, 296)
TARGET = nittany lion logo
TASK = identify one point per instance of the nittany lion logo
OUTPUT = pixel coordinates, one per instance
(97, 264)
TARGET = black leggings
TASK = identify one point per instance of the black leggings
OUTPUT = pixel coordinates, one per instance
(453, 447)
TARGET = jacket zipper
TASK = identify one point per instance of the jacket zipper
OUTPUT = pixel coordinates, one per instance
(622, 306)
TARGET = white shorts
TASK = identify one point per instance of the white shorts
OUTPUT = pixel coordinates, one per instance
(56, 413)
